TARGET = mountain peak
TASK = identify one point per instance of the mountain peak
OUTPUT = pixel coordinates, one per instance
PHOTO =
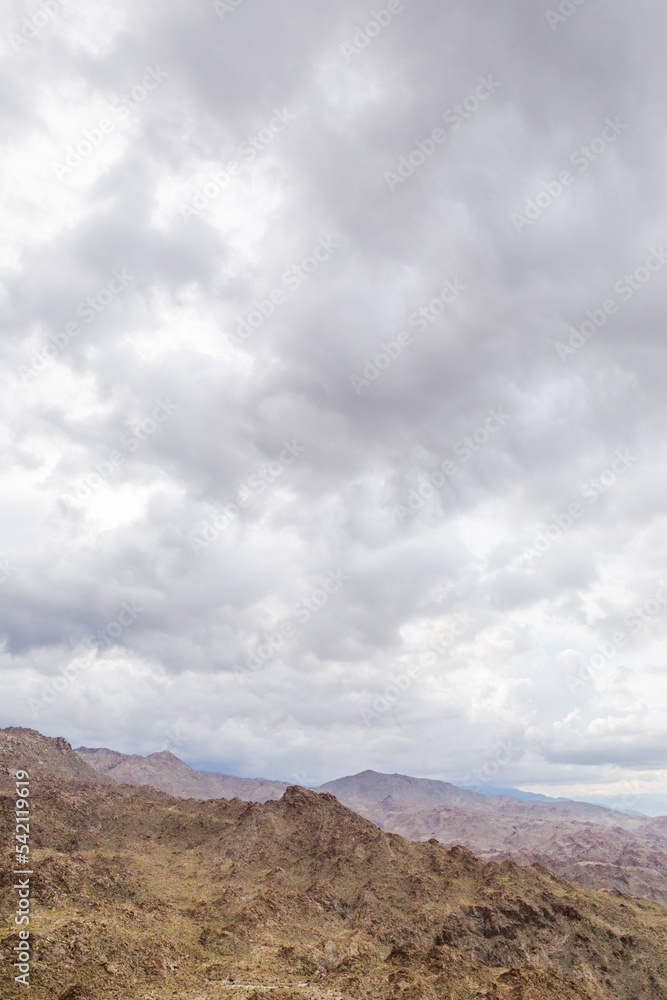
(22, 748)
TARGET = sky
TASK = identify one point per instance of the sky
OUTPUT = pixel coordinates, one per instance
(333, 370)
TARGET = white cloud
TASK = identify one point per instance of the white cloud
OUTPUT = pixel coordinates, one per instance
(461, 549)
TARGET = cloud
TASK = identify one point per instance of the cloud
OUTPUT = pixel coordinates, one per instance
(267, 262)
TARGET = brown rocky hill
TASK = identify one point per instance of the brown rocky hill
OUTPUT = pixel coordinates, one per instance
(26, 748)
(141, 895)
(589, 844)
(372, 788)
(166, 772)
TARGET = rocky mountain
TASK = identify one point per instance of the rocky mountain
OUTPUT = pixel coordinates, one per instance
(53, 756)
(371, 788)
(589, 844)
(138, 894)
(165, 771)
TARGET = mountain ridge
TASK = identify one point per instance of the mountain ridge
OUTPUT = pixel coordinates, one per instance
(142, 893)
(164, 770)
(589, 844)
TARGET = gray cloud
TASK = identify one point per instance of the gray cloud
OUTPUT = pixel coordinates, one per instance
(251, 337)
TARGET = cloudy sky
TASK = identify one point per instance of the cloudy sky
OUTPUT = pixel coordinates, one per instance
(333, 386)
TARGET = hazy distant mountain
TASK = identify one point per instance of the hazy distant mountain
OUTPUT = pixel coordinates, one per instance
(371, 788)
(586, 843)
(516, 793)
(139, 894)
(642, 803)
(168, 773)
(589, 844)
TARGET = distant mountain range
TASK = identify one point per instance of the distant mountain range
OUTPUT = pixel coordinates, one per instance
(172, 775)
(142, 894)
(165, 771)
(516, 793)
(589, 844)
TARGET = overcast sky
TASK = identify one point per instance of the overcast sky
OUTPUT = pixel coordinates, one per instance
(333, 385)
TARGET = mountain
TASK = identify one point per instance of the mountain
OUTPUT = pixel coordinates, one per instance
(589, 844)
(382, 793)
(140, 894)
(517, 793)
(27, 749)
(168, 773)
(372, 786)
(396, 795)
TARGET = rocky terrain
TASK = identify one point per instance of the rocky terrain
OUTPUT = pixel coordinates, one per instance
(592, 845)
(51, 757)
(139, 894)
(588, 844)
(165, 771)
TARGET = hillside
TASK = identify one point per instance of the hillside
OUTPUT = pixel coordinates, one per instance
(166, 772)
(592, 845)
(140, 894)
(589, 844)
(42, 755)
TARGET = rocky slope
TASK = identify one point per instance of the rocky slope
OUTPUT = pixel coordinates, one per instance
(371, 789)
(167, 772)
(42, 755)
(591, 845)
(142, 895)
